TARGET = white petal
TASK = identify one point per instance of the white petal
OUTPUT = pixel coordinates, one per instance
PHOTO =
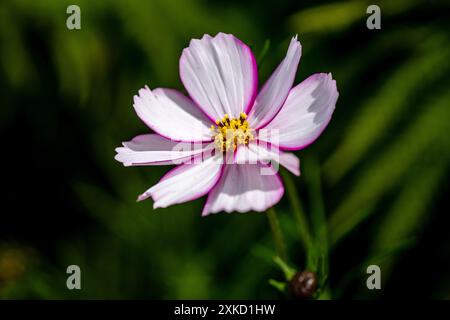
(220, 75)
(152, 149)
(305, 114)
(243, 188)
(172, 115)
(276, 89)
(261, 152)
(185, 182)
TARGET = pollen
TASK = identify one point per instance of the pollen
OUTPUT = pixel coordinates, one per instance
(229, 133)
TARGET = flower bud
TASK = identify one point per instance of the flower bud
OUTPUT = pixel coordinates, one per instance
(303, 284)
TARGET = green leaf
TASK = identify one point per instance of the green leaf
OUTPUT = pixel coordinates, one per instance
(287, 270)
(280, 286)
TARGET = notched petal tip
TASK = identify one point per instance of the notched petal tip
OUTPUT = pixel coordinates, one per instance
(119, 156)
(156, 206)
(295, 44)
(144, 91)
(136, 100)
(143, 197)
(222, 34)
(205, 38)
(205, 212)
(333, 83)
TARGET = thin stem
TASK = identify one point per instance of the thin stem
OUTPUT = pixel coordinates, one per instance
(319, 223)
(299, 216)
(277, 234)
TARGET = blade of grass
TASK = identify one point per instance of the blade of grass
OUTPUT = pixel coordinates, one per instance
(262, 54)
(427, 133)
(382, 111)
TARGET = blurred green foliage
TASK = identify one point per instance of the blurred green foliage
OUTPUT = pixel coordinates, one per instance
(372, 189)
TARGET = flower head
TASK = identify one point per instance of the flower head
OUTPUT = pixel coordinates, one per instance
(229, 133)
(226, 137)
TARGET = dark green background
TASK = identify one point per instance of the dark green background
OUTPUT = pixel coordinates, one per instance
(66, 103)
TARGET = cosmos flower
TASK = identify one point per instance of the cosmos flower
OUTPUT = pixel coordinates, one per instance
(226, 137)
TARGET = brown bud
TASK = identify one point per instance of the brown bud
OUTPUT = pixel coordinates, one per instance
(303, 284)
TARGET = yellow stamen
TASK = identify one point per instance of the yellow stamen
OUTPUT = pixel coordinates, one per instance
(229, 133)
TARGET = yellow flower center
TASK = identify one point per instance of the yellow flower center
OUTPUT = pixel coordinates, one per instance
(229, 133)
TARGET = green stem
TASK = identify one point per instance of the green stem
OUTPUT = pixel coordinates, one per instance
(277, 234)
(319, 223)
(299, 216)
